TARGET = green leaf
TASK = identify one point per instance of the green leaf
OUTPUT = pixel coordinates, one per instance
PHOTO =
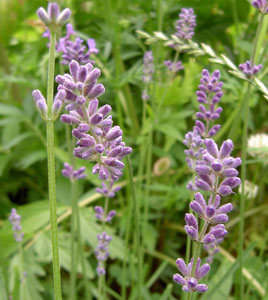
(170, 130)
(14, 142)
(3, 295)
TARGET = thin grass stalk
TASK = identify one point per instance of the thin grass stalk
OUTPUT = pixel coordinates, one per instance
(51, 171)
(82, 257)
(243, 167)
(137, 227)
(22, 276)
(73, 242)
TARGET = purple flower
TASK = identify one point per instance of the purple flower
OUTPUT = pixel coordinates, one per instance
(174, 67)
(186, 24)
(190, 283)
(108, 190)
(100, 215)
(53, 18)
(249, 69)
(70, 173)
(208, 96)
(217, 163)
(15, 220)
(148, 67)
(75, 50)
(148, 71)
(211, 212)
(260, 5)
(102, 252)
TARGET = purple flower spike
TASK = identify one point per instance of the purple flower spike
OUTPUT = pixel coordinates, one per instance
(186, 24)
(69, 172)
(190, 284)
(208, 96)
(249, 69)
(260, 5)
(15, 220)
(174, 67)
(53, 18)
(102, 252)
(73, 50)
(148, 71)
(108, 190)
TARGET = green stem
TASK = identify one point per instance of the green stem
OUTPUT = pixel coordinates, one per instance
(73, 242)
(82, 256)
(137, 227)
(243, 167)
(22, 277)
(51, 170)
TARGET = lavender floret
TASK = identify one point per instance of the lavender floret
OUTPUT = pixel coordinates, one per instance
(15, 220)
(249, 69)
(260, 5)
(53, 18)
(70, 173)
(173, 67)
(188, 281)
(186, 24)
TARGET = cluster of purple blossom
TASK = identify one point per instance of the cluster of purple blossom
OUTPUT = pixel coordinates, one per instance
(74, 50)
(249, 69)
(69, 172)
(102, 250)
(260, 5)
(186, 24)
(97, 139)
(15, 220)
(215, 172)
(148, 71)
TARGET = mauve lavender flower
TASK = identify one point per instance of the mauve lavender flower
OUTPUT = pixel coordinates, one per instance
(41, 103)
(211, 212)
(53, 18)
(249, 69)
(15, 220)
(148, 67)
(75, 50)
(70, 173)
(102, 252)
(108, 190)
(216, 164)
(100, 215)
(186, 24)
(260, 5)
(190, 283)
(174, 67)
(209, 95)
(148, 71)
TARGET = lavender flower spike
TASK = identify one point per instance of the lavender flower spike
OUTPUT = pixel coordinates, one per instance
(260, 5)
(15, 220)
(53, 18)
(249, 69)
(148, 71)
(174, 67)
(190, 283)
(69, 172)
(102, 252)
(186, 24)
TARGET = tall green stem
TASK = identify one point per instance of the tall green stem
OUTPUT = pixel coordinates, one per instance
(73, 242)
(51, 170)
(137, 227)
(243, 167)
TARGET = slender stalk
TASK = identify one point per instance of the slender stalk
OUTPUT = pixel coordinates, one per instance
(22, 276)
(243, 167)
(51, 170)
(137, 228)
(73, 242)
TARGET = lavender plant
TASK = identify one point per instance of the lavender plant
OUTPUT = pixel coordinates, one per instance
(97, 140)
(215, 172)
(49, 111)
